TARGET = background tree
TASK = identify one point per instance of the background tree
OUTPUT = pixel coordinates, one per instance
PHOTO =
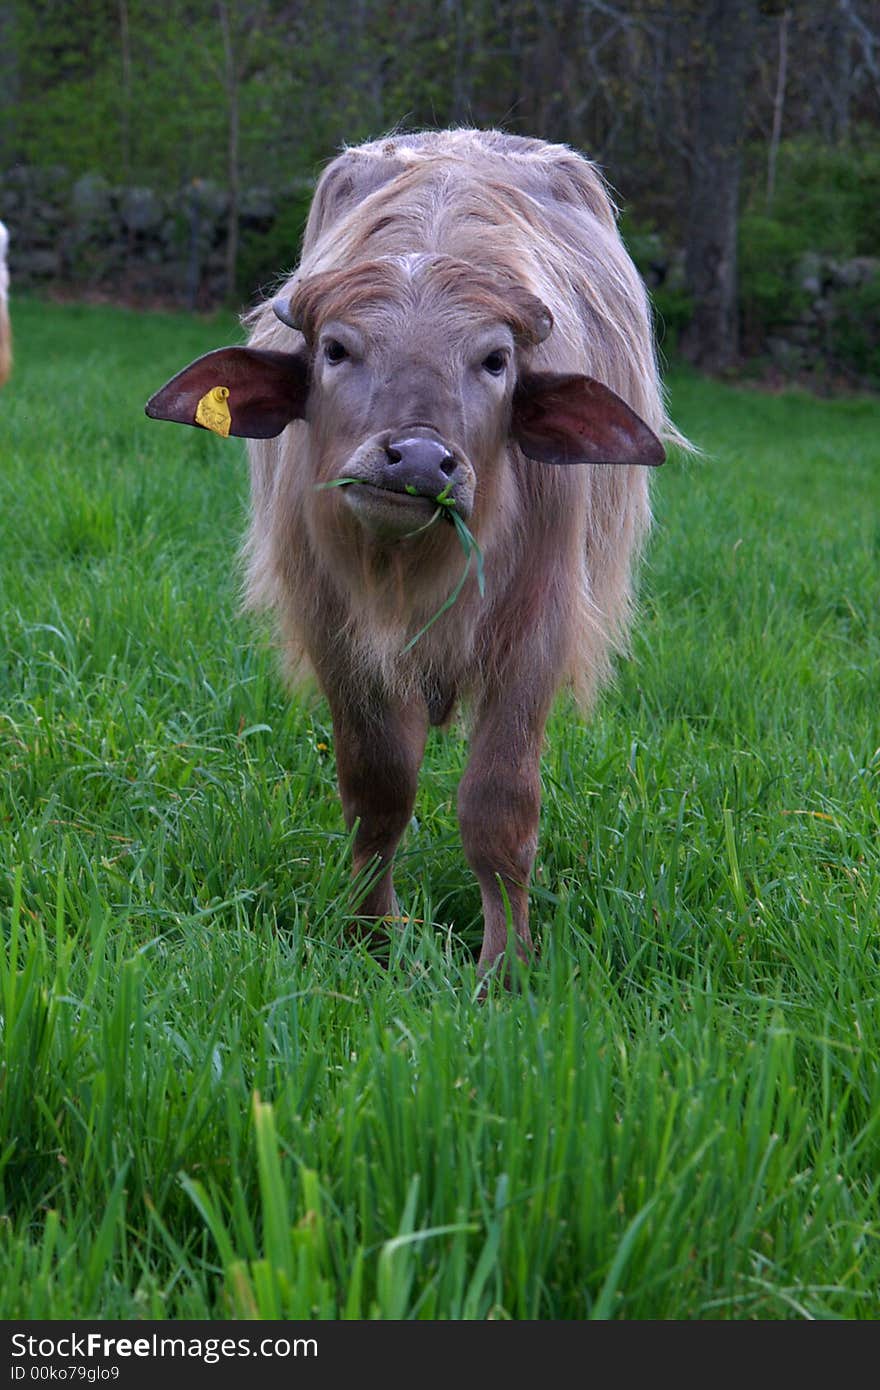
(705, 116)
(721, 35)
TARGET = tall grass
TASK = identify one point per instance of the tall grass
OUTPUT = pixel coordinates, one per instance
(211, 1105)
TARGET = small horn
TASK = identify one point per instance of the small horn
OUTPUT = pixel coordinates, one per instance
(543, 325)
(282, 311)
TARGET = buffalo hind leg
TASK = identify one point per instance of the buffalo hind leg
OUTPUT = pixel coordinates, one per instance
(379, 751)
(499, 804)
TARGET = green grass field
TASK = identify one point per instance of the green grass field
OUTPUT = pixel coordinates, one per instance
(212, 1107)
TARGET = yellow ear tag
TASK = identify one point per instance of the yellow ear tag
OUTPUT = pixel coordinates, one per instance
(213, 412)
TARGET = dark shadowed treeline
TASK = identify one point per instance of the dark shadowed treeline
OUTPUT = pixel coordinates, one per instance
(700, 113)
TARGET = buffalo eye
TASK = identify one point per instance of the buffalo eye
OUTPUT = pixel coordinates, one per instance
(334, 352)
(495, 363)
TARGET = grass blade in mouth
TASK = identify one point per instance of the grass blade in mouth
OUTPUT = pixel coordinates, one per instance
(444, 607)
(408, 535)
(472, 550)
(470, 547)
(468, 541)
(350, 482)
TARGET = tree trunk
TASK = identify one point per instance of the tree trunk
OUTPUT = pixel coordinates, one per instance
(231, 82)
(842, 30)
(724, 34)
(454, 24)
(125, 94)
(9, 84)
(778, 106)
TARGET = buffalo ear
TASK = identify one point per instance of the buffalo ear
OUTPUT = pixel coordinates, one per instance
(575, 419)
(235, 390)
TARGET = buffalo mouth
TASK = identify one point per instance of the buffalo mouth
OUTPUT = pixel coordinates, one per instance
(391, 511)
(409, 496)
(405, 482)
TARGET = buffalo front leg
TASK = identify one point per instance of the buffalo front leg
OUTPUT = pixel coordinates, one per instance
(378, 753)
(499, 804)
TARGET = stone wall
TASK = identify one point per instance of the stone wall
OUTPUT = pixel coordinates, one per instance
(87, 234)
(834, 314)
(823, 317)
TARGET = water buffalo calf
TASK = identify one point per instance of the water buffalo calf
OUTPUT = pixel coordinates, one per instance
(464, 324)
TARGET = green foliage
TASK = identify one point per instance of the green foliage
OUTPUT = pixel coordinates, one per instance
(213, 1105)
(673, 311)
(855, 329)
(654, 258)
(264, 257)
(150, 103)
(769, 251)
(827, 202)
(828, 195)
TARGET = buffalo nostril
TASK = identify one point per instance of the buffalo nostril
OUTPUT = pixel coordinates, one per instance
(447, 465)
(393, 455)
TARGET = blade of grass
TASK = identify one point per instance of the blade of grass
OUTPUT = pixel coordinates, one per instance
(468, 544)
